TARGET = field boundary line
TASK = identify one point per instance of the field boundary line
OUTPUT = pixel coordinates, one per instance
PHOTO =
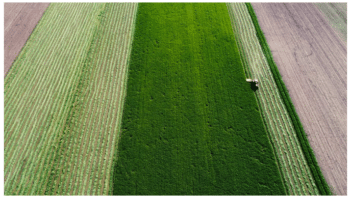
(8, 71)
(306, 148)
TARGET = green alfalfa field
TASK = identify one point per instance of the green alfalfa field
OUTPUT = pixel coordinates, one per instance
(191, 123)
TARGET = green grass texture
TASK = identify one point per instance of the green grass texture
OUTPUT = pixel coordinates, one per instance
(310, 157)
(191, 124)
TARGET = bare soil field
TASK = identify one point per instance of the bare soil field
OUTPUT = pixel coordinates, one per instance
(335, 13)
(311, 58)
(20, 20)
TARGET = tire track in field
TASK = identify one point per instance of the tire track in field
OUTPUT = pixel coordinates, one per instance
(10, 8)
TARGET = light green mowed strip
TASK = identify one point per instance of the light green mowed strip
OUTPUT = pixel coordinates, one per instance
(49, 82)
(38, 89)
(293, 166)
(84, 168)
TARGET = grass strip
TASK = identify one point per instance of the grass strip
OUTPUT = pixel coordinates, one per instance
(191, 124)
(308, 152)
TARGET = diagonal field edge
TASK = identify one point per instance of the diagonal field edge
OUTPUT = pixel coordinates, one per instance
(306, 148)
(9, 69)
(40, 185)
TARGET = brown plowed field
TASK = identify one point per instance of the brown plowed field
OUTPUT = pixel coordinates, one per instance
(311, 58)
(20, 20)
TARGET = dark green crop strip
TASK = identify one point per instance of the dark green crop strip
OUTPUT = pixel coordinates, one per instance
(191, 124)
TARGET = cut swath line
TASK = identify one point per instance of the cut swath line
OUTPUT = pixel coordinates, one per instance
(102, 155)
(47, 97)
(295, 170)
(65, 155)
(49, 170)
(70, 122)
(117, 122)
(70, 155)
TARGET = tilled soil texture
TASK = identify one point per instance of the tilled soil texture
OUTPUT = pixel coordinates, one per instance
(335, 13)
(20, 20)
(311, 58)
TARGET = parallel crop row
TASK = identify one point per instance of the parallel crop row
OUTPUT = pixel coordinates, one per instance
(320, 182)
(293, 165)
(38, 91)
(64, 68)
(94, 123)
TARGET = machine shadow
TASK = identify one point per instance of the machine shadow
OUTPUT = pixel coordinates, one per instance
(253, 86)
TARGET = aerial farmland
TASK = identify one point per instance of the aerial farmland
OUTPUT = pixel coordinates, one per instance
(175, 99)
